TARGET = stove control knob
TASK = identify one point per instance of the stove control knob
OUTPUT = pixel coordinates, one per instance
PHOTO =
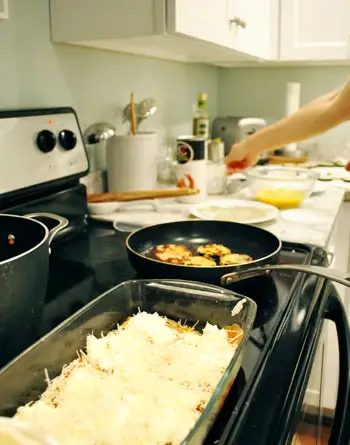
(46, 141)
(67, 139)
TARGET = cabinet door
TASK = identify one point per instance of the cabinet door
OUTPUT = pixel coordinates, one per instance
(246, 26)
(205, 20)
(315, 29)
(254, 25)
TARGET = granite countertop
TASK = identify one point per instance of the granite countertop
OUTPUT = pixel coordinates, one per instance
(311, 223)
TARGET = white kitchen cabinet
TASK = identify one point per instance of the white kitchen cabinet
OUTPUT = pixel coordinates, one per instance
(4, 9)
(190, 31)
(314, 30)
(259, 34)
(241, 25)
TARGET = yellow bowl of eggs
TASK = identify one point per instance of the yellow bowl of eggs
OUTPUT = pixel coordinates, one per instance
(282, 187)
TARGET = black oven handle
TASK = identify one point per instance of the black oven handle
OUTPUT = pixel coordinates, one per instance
(335, 312)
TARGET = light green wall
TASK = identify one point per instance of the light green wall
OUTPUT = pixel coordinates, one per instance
(34, 72)
(261, 92)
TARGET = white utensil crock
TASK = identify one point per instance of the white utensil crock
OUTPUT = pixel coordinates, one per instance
(132, 162)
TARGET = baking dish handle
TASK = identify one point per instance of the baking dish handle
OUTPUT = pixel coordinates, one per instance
(335, 312)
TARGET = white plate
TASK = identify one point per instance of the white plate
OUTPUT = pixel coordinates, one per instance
(251, 212)
(305, 217)
(103, 208)
(320, 187)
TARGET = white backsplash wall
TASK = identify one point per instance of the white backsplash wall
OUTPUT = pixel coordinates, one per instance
(260, 92)
(35, 73)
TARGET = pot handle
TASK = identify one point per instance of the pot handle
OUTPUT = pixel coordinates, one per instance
(62, 222)
(338, 276)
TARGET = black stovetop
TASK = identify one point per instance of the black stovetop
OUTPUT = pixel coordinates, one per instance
(90, 258)
(96, 259)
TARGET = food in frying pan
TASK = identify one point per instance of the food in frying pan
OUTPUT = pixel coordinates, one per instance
(213, 250)
(208, 255)
(235, 258)
(172, 253)
(146, 382)
(199, 261)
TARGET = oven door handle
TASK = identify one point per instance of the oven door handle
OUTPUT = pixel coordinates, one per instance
(335, 312)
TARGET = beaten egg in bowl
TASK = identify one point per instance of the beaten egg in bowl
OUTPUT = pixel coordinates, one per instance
(281, 198)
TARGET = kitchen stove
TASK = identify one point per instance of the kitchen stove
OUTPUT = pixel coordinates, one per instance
(89, 257)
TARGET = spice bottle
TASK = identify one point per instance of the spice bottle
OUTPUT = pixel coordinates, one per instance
(201, 117)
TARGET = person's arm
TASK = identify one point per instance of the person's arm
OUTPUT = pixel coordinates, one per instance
(317, 117)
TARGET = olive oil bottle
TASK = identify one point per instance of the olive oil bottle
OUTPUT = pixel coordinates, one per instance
(201, 117)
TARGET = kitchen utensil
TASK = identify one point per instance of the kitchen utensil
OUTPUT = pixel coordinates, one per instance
(236, 210)
(132, 162)
(284, 187)
(24, 262)
(98, 132)
(191, 168)
(132, 114)
(178, 300)
(143, 110)
(339, 276)
(142, 194)
(95, 137)
(260, 244)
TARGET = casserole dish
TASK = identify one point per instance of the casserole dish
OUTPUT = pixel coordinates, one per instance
(23, 379)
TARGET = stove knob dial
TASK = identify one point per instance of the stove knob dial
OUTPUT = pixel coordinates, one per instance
(67, 139)
(46, 141)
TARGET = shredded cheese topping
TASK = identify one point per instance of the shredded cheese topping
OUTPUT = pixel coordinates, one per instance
(145, 383)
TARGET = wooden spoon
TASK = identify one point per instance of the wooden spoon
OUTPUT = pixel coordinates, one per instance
(132, 114)
(141, 194)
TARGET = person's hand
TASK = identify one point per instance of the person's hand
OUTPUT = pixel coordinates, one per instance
(240, 158)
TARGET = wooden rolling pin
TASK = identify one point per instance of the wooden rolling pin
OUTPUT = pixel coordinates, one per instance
(142, 194)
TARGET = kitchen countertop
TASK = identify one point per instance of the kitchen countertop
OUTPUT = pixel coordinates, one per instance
(313, 221)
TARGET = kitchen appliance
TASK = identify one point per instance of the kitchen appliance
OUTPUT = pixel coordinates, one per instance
(178, 300)
(88, 258)
(233, 129)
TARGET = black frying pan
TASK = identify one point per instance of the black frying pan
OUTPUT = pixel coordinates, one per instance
(262, 246)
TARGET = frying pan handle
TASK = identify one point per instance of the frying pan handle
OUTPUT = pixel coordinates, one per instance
(62, 222)
(338, 276)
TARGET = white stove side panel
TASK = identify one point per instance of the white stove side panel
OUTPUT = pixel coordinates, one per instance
(22, 164)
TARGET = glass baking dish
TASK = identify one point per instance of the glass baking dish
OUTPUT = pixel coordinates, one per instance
(23, 379)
